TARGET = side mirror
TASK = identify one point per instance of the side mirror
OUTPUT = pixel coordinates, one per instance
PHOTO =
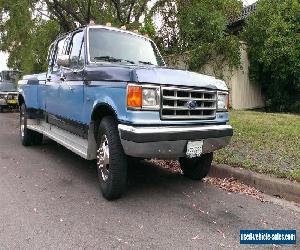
(63, 60)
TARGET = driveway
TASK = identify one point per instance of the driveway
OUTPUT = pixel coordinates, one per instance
(49, 198)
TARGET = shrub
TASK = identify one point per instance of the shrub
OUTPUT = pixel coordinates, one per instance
(273, 39)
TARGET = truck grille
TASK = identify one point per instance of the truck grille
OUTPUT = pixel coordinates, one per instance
(186, 103)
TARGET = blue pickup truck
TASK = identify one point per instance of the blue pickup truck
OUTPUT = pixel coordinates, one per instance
(108, 96)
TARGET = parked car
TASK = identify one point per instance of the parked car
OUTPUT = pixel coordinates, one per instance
(8, 90)
(108, 95)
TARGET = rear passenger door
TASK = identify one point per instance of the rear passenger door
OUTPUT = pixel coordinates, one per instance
(53, 80)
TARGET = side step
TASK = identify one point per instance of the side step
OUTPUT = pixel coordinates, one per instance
(75, 143)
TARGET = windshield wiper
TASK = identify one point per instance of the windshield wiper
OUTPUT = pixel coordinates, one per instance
(112, 59)
(147, 63)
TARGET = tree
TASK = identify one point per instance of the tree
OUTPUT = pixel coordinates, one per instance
(199, 27)
(27, 34)
(167, 35)
(273, 38)
(203, 28)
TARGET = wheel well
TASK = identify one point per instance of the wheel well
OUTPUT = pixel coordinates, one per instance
(99, 112)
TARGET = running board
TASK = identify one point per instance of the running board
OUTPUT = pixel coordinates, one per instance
(75, 143)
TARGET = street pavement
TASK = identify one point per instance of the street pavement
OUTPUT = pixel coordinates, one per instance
(50, 199)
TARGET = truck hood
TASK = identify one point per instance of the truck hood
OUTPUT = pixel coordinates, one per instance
(155, 75)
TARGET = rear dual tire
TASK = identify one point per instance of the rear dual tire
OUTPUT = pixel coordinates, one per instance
(28, 137)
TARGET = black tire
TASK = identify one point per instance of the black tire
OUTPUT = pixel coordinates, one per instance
(112, 170)
(196, 168)
(28, 137)
(1, 109)
(134, 161)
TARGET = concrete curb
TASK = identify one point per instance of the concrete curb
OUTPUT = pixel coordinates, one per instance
(269, 185)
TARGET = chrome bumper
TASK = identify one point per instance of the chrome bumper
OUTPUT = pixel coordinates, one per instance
(170, 142)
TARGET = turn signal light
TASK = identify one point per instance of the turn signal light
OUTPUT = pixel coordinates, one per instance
(134, 96)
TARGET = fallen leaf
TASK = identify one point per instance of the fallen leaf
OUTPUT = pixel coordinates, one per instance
(197, 237)
(231, 185)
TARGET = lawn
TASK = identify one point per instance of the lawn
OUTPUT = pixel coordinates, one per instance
(265, 143)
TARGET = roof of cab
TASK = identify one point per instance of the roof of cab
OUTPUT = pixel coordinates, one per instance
(103, 27)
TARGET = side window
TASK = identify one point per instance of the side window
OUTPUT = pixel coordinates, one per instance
(81, 57)
(51, 54)
(76, 51)
(60, 49)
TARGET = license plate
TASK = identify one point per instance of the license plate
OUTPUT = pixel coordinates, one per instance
(11, 101)
(194, 149)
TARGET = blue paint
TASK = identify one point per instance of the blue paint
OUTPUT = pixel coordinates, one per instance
(75, 94)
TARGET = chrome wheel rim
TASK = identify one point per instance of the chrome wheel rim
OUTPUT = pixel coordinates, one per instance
(103, 158)
(22, 123)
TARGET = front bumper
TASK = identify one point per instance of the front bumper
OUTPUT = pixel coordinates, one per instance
(170, 142)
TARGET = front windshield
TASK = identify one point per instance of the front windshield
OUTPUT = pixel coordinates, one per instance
(122, 47)
(7, 87)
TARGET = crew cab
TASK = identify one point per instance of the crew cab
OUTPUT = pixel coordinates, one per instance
(108, 96)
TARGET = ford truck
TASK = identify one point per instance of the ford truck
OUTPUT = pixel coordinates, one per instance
(108, 96)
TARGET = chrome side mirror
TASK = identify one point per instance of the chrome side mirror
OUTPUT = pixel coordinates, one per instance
(63, 60)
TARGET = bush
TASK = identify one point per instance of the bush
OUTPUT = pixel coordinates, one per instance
(273, 39)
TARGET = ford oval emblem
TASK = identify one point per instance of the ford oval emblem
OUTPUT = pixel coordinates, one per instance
(192, 104)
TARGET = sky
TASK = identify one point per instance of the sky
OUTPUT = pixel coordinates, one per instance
(3, 56)
(248, 2)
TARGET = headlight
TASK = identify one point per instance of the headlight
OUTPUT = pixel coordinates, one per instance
(146, 97)
(223, 101)
(150, 99)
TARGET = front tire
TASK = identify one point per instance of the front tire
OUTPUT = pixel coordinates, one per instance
(28, 137)
(196, 168)
(111, 160)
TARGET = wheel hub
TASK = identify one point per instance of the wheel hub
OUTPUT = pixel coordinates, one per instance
(103, 158)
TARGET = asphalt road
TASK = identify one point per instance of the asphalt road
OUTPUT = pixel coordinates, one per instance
(49, 199)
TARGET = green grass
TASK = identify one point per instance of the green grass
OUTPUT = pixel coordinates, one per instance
(265, 143)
